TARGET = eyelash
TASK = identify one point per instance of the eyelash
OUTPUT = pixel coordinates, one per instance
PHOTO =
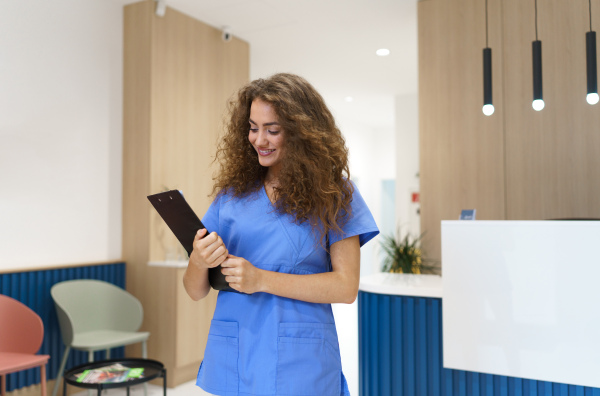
(271, 132)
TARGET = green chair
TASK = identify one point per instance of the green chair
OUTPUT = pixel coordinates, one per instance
(95, 315)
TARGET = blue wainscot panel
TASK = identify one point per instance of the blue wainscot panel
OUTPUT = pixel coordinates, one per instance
(32, 288)
(400, 354)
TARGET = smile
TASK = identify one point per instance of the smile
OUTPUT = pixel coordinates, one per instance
(264, 152)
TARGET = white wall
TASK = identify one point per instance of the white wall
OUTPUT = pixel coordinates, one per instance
(60, 132)
(372, 159)
(407, 163)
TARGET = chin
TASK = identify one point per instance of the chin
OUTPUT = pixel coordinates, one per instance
(268, 163)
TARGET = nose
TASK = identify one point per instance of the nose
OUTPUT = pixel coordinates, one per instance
(261, 138)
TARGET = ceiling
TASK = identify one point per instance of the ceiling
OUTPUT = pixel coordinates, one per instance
(331, 43)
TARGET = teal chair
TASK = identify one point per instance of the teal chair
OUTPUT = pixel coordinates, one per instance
(95, 315)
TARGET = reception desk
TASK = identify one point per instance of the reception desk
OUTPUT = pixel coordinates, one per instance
(401, 344)
(400, 335)
(521, 299)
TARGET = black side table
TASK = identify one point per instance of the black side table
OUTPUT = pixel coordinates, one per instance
(152, 369)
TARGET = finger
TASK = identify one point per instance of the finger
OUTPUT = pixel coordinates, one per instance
(204, 243)
(226, 271)
(214, 242)
(212, 238)
(217, 257)
(200, 234)
(209, 244)
(219, 241)
(228, 262)
(219, 254)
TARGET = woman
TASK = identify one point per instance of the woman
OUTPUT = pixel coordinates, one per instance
(287, 226)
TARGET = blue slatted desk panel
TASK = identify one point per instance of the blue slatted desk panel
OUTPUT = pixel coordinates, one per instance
(400, 346)
(32, 288)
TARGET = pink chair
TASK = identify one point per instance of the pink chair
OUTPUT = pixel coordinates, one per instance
(21, 335)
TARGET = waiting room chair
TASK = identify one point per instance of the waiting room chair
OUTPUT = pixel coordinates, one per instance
(96, 315)
(21, 335)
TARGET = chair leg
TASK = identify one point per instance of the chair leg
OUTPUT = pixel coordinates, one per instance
(3, 385)
(107, 354)
(145, 356)
(60, 370)
(90, 360)
(43, 378)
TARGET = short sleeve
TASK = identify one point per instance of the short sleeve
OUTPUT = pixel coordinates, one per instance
(211, 217)
(361, 222)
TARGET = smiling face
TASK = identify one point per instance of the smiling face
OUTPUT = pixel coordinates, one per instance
(266, 136)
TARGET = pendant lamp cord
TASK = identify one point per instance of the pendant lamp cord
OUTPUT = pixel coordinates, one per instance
(590, 1)
(536, 35)
(486, 24)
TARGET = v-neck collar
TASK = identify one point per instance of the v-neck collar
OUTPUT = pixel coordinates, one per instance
(266, 194)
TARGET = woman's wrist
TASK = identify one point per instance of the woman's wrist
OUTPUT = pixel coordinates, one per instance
(195, 281)
(263, 281)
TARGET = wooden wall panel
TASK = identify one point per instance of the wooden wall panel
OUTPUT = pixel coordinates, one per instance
(432, 84)
(461, 150)
(136, 143)
(185, 114)
(173, 120)
(553, 156)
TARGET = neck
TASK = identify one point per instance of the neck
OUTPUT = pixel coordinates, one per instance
(271, 182)
(272, 177)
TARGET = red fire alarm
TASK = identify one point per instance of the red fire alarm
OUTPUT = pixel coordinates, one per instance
(415, 197)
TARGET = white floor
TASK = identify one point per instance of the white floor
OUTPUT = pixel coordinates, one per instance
(346, 318)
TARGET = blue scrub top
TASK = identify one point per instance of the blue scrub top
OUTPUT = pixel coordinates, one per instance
(262, 344)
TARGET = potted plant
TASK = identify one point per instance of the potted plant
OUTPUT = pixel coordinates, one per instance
(404, 255)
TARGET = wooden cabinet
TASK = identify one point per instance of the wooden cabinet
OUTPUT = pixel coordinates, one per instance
(178, 76)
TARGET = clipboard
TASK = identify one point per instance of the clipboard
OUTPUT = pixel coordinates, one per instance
(181, 219)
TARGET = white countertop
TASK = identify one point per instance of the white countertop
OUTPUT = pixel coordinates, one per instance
(169, 264)
(402, 284)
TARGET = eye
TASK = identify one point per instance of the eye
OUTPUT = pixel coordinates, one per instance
(253, 129)
(273, 132)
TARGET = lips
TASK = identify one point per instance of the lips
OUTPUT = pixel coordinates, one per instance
(265, 152)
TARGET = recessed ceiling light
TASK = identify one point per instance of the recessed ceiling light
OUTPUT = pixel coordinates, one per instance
(348, 98)
(383, 52)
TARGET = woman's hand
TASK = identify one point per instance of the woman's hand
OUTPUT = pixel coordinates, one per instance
(241, 274)
(209, 251)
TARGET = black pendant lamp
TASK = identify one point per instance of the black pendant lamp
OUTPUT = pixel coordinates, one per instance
(591, 65)
(488, 106)
(538, 97)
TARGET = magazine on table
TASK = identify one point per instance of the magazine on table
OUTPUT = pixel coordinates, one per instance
(114, 373)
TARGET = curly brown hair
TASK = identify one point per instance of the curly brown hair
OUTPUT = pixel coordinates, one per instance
(314, 181)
